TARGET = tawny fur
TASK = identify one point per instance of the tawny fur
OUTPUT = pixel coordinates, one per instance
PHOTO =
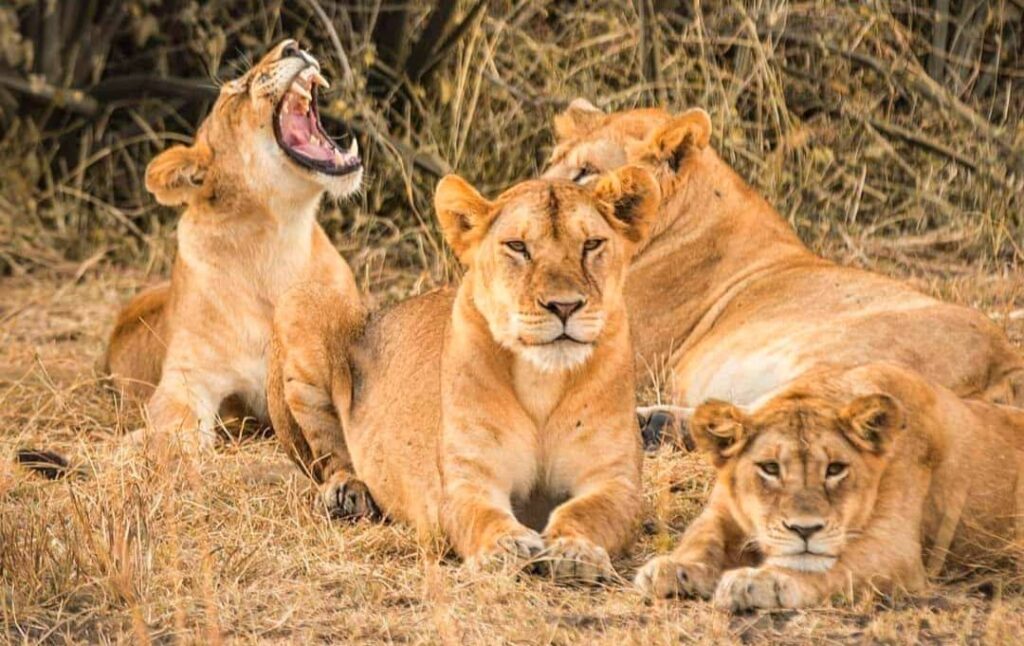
(729, 297)
(247, 234)
(930, 479)
(451, 409)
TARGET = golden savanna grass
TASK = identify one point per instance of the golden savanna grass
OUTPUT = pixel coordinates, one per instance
(831, 109)
(236, 548)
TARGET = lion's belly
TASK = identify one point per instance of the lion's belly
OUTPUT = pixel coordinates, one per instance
(736, 370)
(771, 335)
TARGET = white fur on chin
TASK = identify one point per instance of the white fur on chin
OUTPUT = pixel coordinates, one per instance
(556, 357)
(803, 562)
(345, 185)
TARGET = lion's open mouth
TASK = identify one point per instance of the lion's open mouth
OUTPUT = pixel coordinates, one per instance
(300, 134)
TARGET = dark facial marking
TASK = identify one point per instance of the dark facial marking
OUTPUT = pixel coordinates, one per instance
(553, 208)
(626, 206)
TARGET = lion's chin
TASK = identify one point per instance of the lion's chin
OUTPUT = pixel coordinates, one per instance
(344, 186)
(557, 356)
(802, 562)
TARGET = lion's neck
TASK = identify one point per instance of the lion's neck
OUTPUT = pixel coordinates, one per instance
(252, 248)
(715, 236)
(538, 391)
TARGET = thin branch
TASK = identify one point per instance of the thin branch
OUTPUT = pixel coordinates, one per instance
(35, 87)
(140, 85)
(332, 32)
(427, 44)
(474, 14)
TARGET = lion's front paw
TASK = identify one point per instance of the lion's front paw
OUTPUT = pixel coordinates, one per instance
(348, 498)
(576, 560)
(509, 552)
(749, 588)
(664, 577)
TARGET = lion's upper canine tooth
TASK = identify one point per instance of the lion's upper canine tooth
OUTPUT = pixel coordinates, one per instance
(319, 79)
(301, 91)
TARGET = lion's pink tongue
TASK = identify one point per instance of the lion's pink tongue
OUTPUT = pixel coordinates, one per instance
(296, 133)
(295, 129)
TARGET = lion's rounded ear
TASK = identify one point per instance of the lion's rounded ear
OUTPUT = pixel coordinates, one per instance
(685, 133)
(176, 175)
(464, 214)
(633, 195)
(720, 429)
(580, 118)
(872, 422)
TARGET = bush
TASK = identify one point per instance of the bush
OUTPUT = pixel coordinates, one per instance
(891, 127)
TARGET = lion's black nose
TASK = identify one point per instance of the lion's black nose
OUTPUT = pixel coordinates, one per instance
(563, 309)
(804, 531)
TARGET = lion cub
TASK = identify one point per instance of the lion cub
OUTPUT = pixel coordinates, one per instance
(251, 184)
(847, 480)
(501, 414)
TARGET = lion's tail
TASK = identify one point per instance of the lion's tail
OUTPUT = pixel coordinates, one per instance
(49, 464)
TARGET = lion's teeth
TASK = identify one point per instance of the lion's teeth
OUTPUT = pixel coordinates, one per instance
(318, 78)
(301, 91)
(353, 148)
(338, 159)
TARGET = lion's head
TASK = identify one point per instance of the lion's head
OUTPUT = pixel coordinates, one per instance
(548, 259)
(263, 139)
(801, 472)
(590, 142)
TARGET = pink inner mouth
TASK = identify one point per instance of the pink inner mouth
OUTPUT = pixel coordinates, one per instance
(297, 132)
(300, 134)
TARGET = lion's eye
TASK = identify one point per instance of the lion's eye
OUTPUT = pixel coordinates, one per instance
(519, 247)
(835, 469)
(593, 244)
(584, 171)
(770, 469)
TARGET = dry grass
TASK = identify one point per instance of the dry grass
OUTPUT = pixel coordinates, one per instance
(842, 113)
(231, 550)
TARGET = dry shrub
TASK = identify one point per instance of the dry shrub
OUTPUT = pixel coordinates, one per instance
(887, 128)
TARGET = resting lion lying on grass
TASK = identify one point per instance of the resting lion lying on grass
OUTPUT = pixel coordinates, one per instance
(725, 292)
(847, 480)
(251, 185)
(501, 413)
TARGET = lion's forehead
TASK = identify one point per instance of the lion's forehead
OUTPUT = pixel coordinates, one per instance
(556, 213)
(808, 438)
(612, 135)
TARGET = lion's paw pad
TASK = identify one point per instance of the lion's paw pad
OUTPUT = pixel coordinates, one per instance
(510, 553)
(349, 499)
(575, 560)
(664, 577)
(757, 588)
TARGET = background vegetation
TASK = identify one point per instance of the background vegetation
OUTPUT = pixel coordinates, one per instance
(890, 133)
(861, 121)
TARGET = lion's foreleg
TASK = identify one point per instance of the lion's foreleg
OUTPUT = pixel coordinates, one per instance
(605, 514)
(693, 569)
(309, 390)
